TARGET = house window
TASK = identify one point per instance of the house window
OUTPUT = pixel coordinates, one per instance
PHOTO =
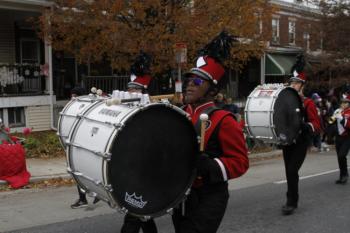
(16, 117)
(275, 30)
(30, 51)
(291, 30)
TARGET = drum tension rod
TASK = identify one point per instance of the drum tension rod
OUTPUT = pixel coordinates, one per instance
(107, 156)
(118, 125)
(108, 188)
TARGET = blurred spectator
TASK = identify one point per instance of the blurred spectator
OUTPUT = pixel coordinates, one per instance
(220, 100)
(317, 138)
(231, 107)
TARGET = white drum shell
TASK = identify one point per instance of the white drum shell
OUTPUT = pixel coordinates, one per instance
(89, 145)
(259, 113)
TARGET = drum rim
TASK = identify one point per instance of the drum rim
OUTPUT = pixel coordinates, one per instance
(82, 98)
(181, 196)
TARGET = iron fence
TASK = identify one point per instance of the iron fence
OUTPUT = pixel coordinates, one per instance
(106, 83)
(120, 82)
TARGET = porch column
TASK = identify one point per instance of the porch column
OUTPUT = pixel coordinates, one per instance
(48, 61)
(262, 68)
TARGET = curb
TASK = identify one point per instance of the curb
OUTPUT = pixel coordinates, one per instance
(35, 179)
(271, 154)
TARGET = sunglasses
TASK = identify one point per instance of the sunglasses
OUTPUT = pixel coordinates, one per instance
(196, 81)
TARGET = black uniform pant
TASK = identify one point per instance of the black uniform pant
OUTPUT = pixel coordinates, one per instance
(204, 209)
(82, 196)
(342, 146)
(294, 156)
(133, 224)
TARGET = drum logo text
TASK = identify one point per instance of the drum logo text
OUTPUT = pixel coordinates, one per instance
(109, 112)
(135, 200)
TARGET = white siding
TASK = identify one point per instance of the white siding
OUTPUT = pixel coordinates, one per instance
(7, 40)
(38, 117)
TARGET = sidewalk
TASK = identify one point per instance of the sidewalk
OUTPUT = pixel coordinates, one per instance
(44, 169)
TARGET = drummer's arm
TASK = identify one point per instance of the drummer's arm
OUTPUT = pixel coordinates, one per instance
(234, 160)
(312, 116)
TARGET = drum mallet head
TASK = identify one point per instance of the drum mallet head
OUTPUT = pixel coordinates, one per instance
(93, 90)
(109, 102)
(113, 101)
(116, 101)
(204, 117)
(99, 92)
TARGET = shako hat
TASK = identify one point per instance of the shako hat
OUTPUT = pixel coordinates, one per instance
(209, 65)
(298, 74)
(140, 72)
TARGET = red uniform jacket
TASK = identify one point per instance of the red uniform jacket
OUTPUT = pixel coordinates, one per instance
(346, 121)
(224, 143)
(311, 115)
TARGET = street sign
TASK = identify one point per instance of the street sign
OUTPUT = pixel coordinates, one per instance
(181, 53)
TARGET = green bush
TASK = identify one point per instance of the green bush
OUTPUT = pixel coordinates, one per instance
(43, 144)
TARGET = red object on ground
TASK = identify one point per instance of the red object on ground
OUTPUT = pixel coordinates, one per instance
(13, 167)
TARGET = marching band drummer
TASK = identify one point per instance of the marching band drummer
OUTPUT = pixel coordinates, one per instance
(139, 81)
(342, 142)
(294, 154)
(225, 153)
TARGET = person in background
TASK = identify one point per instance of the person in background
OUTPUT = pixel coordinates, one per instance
(294, 154)
(231, 107)
(342, 142)
(317, 137)
(220, 100)
(139, 82)
(82, 201)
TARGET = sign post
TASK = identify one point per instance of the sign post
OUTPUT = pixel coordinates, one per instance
(180, 58)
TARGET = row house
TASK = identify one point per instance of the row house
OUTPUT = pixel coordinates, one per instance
(292, 32)
(26, 97)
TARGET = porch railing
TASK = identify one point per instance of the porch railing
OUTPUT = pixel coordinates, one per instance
(106, 83)
(20, 79)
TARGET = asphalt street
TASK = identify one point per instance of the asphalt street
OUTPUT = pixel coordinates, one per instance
(254, 205)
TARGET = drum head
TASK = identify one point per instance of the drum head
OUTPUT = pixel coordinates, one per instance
(287, 115)
(153, 161)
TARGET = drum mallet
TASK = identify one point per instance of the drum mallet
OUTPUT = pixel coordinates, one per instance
(115, 101)
(204, 119)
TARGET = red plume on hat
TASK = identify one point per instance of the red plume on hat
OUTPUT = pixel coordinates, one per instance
(209, 63)
(297, 70)
(140, 72)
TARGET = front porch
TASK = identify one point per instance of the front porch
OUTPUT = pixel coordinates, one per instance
(26, 99)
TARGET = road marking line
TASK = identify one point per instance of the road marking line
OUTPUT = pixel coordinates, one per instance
(310, 176)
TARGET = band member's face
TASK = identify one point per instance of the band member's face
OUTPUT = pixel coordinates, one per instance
(134, 90)
(296, 85)
(196, 88)
(344, 105)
